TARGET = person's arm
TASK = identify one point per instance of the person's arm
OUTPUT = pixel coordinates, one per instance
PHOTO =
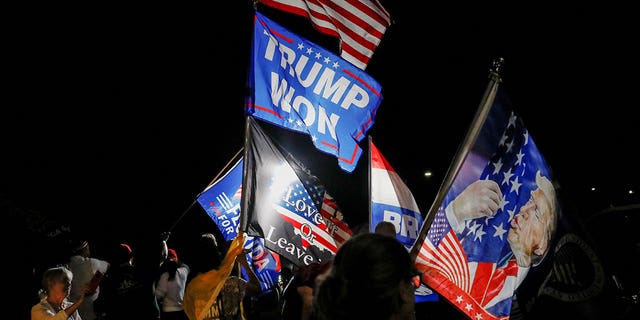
(480, 199)
(306, 295)
(253, 287)
(72, 308)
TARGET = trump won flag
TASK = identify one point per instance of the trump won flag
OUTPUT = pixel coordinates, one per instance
(497, 218)
(301, 86)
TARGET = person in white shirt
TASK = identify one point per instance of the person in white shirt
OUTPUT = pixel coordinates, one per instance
(84, 267)
(56, 285)
(170, 287)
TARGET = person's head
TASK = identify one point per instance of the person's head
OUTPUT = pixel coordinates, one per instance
(56, 283)
(81, 248)
(172, 255)
(209, 240)
(209, 256)
(370, 278)
(124, 254)
(385, 228)
(533, 227)
(171, 264)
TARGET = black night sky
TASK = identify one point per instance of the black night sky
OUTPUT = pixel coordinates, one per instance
(116, 117)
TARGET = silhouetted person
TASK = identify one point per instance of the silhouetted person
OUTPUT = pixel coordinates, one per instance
(371, 278)
(385, 228)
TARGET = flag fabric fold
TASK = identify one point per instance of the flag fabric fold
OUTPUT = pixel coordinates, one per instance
(359, 24)
(496, 221)
(282, 202)
(391, 200)
(300, 86)
(221, 200)
(202, 291)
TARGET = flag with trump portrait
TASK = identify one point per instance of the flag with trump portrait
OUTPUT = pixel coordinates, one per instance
(221, 202)
(300, 86)
(286, 205)
(360, 24)
(494, 218)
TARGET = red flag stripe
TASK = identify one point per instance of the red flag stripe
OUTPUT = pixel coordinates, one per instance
(449, 258)
(360, 24)
(322, 239)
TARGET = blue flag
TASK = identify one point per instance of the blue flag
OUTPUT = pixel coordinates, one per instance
(497, 220)
(301, 86)
(266, 264)
(221, 201)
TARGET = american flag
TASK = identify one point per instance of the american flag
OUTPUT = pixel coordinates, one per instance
(360, 24)
(327, 206)
(332, 216)
(473, 268)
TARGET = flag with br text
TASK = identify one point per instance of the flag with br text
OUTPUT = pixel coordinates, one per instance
(300, 86)
(392, 201)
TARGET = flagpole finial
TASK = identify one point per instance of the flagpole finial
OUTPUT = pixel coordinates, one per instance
(497, 64)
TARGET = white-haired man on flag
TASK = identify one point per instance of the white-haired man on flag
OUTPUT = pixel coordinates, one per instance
(491, 284)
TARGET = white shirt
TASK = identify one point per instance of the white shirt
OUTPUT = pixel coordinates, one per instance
(45, 311)
(83, 269)
(170, 293)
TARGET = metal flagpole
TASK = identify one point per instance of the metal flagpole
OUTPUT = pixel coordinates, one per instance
(369, 182)
(463, 151)
(210, 183)
(245, 174)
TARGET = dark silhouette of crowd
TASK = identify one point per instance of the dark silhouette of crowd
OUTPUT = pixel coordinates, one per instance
(370, 276)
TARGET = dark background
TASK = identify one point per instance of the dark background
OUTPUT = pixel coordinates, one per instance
(116, 117)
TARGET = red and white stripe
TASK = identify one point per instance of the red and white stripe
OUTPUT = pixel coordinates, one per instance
(472, 286)
(448, 259)
(322, 239)
(332, 217)
(386, 185)
(360, 24)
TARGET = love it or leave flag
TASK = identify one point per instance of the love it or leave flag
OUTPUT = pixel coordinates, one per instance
(283, 204)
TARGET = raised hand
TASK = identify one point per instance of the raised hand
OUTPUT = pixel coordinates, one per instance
(479, 199)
